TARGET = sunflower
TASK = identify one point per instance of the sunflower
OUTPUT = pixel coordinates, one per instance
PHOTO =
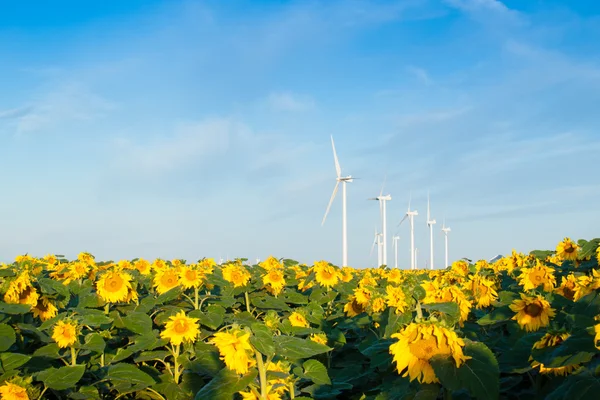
(597, 335)
(567, 249)
(16, 287)
(113, 286)
(320, 338)
(235, 349)
(143, 266)
(180, 328)
(236, 274)
(44, 309)
(353, 308)
(325, 274)
(272, 320)
(297, 319)
(29, 296)
(567, 287)
(158, 264)
(378, 304)
(533, 313)
(65, 333)
(190, 277)
(583, 287)
(396, 298)
(395, 276)
(417, 343)
(551, 340)
(362, 296)
(165, 280)
(539, 275)
(460, 268)
(253, 394)
(10, 391)
(367, 280)
(270, 263)
(86, 258)
(347, 274)
(483, 291)
(275, 281)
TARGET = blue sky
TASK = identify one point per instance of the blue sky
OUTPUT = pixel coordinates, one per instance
(190, 129)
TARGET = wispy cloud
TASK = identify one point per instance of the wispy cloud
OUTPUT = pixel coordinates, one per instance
(286, 101)
(15, 112)
(421, 74)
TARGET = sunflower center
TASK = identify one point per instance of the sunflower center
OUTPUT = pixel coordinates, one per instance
(169, 279)
(569, 249)
(483, 290)
(180, 327)
(274, 276)
(190, 275)
(41, 306)
(533, 310)
(113, 283)
(326, 275)
(424, 349)
(569, 293)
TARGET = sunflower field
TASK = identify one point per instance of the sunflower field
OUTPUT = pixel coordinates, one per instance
(525, 326)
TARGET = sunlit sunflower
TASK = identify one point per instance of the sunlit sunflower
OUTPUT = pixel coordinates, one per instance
(159, 264)
(460, 267)
(235, 349)
(270, 263)
(567, 249)
(44, 309)
(236, 274)
(16, 287)
(378, 304)
(113, 286)
(274, 281)
(272, 320)
(10, 391)
(395, 276)
(417, 343)
(583, 287)
(29, 296)
(551, 340)
(598, 254)
(325, 274)
(190, 277)
(253, 394)
(362, 296)
(533, 313)
(22, 258)
(353, 308)
(367, 280)
(347, 274)
(597, 336)
(538, 275)
(180, 328)
(86, 258)
(143, 266)
(65, 333)
(396, 298)
(207, 265)
(165, 280)
(320, 338)
(297, 319)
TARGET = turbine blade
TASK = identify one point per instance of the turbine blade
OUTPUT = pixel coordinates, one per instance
(428, 211)
(402, 220)
(409, 200)
(383, 185)
(335, 189)
(338, 169)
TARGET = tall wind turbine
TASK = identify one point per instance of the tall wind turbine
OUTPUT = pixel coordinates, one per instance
(343, 180)
(411, 215)
(430, 223)
(395, 243)
(383, 214)
(446, 230)
(377, 241)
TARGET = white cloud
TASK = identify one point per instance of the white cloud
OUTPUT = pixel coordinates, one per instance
(14, 112)
(285, 101)
(421, 74)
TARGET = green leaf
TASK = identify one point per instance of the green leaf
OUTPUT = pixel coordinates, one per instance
(213, 317)
(419, 293)
(395, 322)
(62, 378)
(262, 339)
(138, 322)
(576, 349)
(93, 318)
(128, 373)
(7, 337)
(168, 296)
(10, 361)
(14, 309)
(582, 386)
(498, 315)
(295, 348)
(316, 372)
(85, 393)
(50, 286)
(49, 351)
(225, 385)
(94, 342)
(480, 375)
(267, 302)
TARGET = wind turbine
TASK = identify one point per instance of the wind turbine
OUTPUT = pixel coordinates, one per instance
(411, 215)
(430, 223)
(377, 241)
(446, 230)
(344, 180)
(383, 214)
(395, 240)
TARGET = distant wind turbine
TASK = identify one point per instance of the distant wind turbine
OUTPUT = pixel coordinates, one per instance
(430, 223)
(383, 214)
(395, 240)
(411, 215)
(377, 241)
(344, 180)
(446, 230)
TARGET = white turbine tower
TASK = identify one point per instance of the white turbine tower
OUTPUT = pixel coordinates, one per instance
(411, 215)
(377, 241)
(344, 180)
(395, 240)
(383, 214)
(446, 230)
(430, 223)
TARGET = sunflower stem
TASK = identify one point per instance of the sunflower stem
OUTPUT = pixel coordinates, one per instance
(292, 388)
(106, 308)
(247, 302)
(73, 356)
(176, 372)
(262, 373)
(419, 310)
(43, 391)
(196, 303)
